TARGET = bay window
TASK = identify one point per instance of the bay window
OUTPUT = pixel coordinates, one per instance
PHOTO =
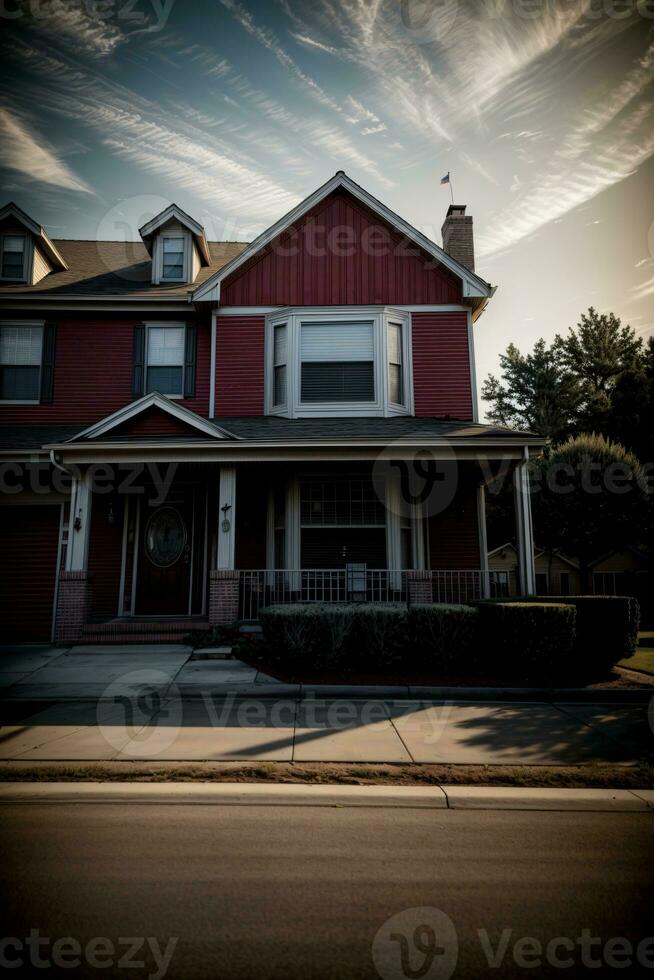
(338, 362)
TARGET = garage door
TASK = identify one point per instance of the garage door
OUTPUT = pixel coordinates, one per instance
(28, 554)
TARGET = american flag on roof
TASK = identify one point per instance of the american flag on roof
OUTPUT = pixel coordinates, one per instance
(446, 178)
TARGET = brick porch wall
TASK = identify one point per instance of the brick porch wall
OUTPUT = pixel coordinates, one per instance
(223, 597)
(73, 606)
(419, 586)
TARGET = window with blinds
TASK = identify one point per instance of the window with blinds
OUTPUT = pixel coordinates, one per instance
(165, 365)
(173, 258)
(395, 369)
(340, 503)
(280, 368)
(13, 257)
(337, 362)
(20, 363)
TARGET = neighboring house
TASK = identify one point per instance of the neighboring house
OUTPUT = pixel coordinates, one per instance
(278, 387)
(623, 572)
(555, 574)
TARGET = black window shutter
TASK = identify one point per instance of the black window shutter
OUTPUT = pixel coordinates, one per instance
(48, 362)
(190, 351)
(138, 365)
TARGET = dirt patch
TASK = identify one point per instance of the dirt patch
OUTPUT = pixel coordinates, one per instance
(638, 776)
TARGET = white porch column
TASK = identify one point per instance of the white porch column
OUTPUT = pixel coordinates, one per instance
(483, 541)
(225, 552)
(292, 534)
(79, 527)
(393, 503)
(524, 529)
(418, 550)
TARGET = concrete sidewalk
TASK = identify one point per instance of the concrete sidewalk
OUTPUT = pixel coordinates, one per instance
(145, 703)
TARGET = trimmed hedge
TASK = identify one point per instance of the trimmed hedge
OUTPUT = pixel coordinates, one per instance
(532, 640)
(334, 634)
(441, 635)
(606, 629)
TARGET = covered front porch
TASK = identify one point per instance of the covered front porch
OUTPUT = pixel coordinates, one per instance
(194, 544)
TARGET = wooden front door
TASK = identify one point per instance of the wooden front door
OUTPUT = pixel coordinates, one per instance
(165, 557)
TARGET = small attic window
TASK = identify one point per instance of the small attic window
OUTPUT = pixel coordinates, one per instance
(13, 257)
(173, 257)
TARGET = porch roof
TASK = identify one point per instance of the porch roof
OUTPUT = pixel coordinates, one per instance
(272, 431)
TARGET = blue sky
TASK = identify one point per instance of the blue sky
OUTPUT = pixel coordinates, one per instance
(542, 111)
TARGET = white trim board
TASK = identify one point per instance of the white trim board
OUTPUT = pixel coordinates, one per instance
(473, 285)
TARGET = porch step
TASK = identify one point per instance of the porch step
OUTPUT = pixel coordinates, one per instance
(141, 631)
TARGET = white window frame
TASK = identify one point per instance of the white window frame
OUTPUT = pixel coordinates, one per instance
(164, 324)
(34, 324)
(380, 317)
(158, 257)
(27, 257)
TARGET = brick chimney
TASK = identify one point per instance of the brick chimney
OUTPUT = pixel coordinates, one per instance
(457, 235)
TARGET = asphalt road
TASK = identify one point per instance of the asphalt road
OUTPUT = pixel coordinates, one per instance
(307, 892)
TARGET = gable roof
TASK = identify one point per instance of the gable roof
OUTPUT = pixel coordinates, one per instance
(174, 213)
(144, 404)
(473, 285)
(48, 248)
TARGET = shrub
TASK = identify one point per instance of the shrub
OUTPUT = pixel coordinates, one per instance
(334, 634)
(441, 635)
(529, 639)
(606, 628)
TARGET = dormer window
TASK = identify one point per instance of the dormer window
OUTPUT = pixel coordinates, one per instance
(173, 258)
(13, 257)
(337, 362)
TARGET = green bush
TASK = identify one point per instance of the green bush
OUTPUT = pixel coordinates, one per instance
(320, 635)
(441, 635)
(529, 640)
(606, 628)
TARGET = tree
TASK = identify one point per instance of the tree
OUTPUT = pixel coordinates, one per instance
(607, 361)
(536, 392)
(590, 497)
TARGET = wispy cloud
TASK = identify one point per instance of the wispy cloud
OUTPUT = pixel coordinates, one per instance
(29, 155)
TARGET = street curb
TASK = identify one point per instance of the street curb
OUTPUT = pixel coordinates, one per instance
(260, 794)
(382, 693)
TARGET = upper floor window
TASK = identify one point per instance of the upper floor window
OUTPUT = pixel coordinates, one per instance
(165, 360)
(338, 362)
(21, 348)
(173, 257)
(13, 257)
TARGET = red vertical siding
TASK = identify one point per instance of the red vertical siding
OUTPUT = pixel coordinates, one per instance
(240, 365)
(105, 555)
(93, 373)
(454, 534)
(30, 537)
(340, 254)
(152, 422)
(442, 384)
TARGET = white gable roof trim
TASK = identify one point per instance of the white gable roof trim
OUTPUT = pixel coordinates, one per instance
(473, 285)
(175, 213)
(154, 400)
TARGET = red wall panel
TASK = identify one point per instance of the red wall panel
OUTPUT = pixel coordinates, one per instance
(454, 534)
(152, 422)
(30, 537)
(105, 555)
(441, 365)
(340, 254)
(93, 373)
(240, 365)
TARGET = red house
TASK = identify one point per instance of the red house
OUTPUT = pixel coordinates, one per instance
(190, 430)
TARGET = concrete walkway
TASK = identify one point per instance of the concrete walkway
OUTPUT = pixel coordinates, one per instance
(140, 703)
